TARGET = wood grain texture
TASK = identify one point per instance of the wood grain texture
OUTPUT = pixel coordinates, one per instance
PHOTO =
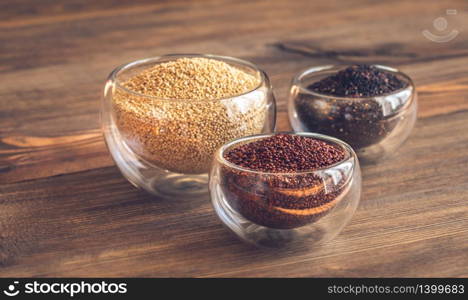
(65, 210)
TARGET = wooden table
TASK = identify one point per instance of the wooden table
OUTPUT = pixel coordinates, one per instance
(65, 210)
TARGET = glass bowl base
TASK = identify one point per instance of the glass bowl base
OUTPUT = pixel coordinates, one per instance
(157, 181)
(180, 185)
(265, 237)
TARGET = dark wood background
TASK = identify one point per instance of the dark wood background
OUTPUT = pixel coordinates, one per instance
(65, 210)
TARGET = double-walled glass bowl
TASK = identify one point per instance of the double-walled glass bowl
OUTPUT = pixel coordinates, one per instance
(281, 209)
(166, 146)
(373, 126)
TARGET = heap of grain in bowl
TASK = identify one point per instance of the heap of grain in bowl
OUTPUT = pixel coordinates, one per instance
(175, 114)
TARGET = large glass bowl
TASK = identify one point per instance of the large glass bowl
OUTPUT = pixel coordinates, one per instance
(166, 146)
(282, 209)
(373, 126)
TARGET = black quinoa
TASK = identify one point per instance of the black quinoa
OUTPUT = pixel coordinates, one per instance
(359, 122)
(359, 81)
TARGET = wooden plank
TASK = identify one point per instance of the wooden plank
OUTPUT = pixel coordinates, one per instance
(65, 210)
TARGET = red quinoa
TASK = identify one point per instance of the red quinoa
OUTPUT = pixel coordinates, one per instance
(282, 201)
(285, 153)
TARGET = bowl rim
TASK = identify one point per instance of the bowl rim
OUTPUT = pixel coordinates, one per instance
(350, 153)
(113, 76)
(297, 81)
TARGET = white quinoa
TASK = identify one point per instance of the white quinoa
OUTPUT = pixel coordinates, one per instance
(196, 106)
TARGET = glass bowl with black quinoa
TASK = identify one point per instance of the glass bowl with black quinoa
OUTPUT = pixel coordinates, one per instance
(371, 107)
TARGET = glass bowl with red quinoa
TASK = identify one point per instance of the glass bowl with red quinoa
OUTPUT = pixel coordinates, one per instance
(285, 188)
